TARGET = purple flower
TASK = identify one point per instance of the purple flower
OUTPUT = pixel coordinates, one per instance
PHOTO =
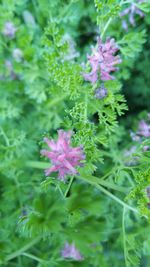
(103, 61)
(130, 152)
(63, 156)
(70, 251)
(101, 92)
(146, 148)
(148, 191)
(144, 129)
(130, 159)
(8, 65)
(134, 137)
(9, 30)
(10, 70)
(17, 54)
(131, 11)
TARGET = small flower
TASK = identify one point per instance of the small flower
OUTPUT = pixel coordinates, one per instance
(135, 137)
(9, 30)
(144, 129)
(130, 159)
(101, 92)
(131, 11)
(8, 65)
(17, 55)
(130, 152)
(70, 251)
(63, 156)
(148, 191)
(103, 61)
(9, 68)
(146, 148)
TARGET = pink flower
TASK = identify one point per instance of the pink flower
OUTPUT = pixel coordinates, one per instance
(103, 61)
(144, 129)
(70, 251)
(131, 11)
(64, 158)
(9, 30)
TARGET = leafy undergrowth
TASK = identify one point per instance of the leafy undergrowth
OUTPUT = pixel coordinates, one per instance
(75, 133)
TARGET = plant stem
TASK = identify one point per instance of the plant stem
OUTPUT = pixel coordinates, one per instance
(85, 110)
(37, 164)
(21, 250)
(122, 203)
(5, 137)
(97, 185)
(105, 28)
(33, 257)
(56, 100)
(69, 186)
(110, 19)
(95, 181)
(114, 187)
(61, 192)
(107, 174)
(124, 236)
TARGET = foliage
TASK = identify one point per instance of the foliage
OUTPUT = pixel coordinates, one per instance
(104, 209)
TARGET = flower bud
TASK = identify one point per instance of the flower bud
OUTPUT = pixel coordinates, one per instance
(101, 92)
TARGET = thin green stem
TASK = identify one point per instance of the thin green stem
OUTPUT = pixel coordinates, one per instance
(106, 192)
(61, 192)
(65, 11)
(5, 45)
(114, 187)
(105, 28)
(85, 110)
(5, 137)
(38, 164)
(122, 203)
(56, 100)
(124, 236)
(110, 19)
(95, 180)
(23, 249)
(107, 174)
(69, 186)
(33, 257)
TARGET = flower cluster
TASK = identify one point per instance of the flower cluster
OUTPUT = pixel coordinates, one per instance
(63, 156)
(70, 251)
(9, 30)
(103, 61)
(131, 11)
(144, 129)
